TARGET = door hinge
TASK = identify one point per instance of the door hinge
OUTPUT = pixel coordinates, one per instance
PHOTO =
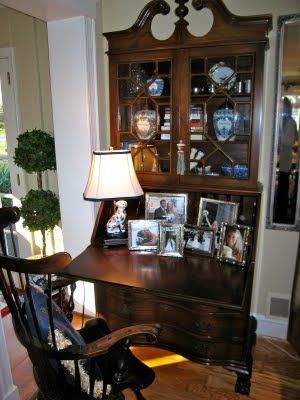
(8, 78)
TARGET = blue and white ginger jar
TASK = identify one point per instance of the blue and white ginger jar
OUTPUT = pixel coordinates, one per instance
(226, 121)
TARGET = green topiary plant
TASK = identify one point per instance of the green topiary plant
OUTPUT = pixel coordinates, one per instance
(40, 208)
(35, 153)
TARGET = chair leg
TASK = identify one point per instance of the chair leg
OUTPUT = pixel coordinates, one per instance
(71, 305)
(116, 396)
(138, 394)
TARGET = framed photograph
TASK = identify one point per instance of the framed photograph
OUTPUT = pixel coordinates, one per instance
(143, 234)
(234, 243)
(213, 212)
(199, 240)
(169, 207)
(171, 240)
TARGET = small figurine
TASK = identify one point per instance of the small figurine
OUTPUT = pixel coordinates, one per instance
(180, 158)
(115, 225)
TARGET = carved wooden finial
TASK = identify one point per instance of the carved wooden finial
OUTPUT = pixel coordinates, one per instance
(181, 11)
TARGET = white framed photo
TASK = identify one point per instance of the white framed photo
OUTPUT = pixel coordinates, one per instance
(143, 234)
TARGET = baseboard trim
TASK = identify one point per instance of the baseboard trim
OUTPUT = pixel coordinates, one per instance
(271, 327)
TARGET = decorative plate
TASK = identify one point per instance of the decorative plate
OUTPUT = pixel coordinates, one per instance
(156, 87)
(220, 72)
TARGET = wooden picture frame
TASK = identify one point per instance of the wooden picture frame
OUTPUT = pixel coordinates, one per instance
(234, 243)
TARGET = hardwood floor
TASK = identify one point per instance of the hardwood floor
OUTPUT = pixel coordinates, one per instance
(20, 364)
(276, 373)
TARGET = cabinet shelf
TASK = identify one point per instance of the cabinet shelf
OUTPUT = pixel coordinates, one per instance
(219, 142)
(219, 95)
(132, 99)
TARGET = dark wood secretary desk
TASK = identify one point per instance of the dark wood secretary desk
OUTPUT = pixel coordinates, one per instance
(202, 305)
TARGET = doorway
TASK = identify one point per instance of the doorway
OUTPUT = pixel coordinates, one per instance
(11, 177)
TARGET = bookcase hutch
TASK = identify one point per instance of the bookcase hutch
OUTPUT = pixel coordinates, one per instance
(207, 93)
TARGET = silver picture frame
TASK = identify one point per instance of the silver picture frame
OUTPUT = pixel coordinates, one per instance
(171, 240)
(174, 210)
(212, 213)
(234, 242)
(199, 240)
(143, 234)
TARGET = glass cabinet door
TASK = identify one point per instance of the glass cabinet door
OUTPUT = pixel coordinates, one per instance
(145, 113)
(220, 113)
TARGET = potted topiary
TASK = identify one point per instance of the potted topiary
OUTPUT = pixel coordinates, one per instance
(35, 153)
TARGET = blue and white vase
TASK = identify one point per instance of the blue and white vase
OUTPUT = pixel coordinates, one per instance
(226, 121)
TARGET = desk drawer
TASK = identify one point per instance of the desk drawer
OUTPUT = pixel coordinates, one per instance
(195, 347)
(203, 321)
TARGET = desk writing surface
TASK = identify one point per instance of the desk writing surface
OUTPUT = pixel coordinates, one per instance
(191, 276)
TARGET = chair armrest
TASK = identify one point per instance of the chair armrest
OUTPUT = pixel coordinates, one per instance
(102, 345)
(53, 264)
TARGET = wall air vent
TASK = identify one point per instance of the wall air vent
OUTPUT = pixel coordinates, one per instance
(278, 305)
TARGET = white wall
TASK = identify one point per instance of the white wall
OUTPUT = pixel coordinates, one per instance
(28, 37)
(277, 250)
(75, 116)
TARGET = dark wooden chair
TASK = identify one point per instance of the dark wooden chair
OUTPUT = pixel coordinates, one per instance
(8, 217)
(92, 363)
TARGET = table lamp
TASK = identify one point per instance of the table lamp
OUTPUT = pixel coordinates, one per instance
(112, 177)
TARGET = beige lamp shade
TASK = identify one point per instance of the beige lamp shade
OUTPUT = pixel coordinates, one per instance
(112, 176)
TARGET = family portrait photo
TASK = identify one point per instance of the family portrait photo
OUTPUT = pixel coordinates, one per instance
(213, 212)
(199, 240)
(234, 243)
(143, 234)
(171, 240)
(171, 208)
